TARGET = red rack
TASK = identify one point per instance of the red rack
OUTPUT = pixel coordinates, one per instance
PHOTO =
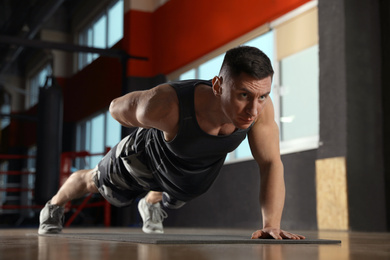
(65, 171)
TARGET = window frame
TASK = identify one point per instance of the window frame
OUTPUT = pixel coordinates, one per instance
(34, 75)
(87, 24)
(299, 144)
(84, 136)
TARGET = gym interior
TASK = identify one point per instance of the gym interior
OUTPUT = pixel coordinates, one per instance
(63, 61)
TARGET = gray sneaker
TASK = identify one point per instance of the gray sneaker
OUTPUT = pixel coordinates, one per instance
(51, 219)
(152, 216)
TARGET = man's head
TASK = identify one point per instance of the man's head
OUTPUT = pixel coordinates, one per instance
(243, 85)
(248, 60)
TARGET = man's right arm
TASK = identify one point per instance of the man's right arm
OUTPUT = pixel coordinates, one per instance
(153, 108)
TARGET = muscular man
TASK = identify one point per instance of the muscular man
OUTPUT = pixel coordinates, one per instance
(184, 132)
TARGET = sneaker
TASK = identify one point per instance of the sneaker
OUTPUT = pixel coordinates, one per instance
(51, 219)
(152, 216)
(171, 203)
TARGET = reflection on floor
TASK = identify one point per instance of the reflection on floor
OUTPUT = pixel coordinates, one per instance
(26, 244)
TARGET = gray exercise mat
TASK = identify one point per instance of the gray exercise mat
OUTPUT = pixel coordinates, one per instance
(188, 239)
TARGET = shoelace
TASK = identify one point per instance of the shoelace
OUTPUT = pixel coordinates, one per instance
(157, 214)
(52, 211)
(56, 211)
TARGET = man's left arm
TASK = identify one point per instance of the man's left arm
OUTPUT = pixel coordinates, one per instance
(264, 142)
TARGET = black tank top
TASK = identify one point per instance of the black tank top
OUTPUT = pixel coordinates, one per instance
(186, 166)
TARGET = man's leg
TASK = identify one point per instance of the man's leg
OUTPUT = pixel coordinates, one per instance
(169, 202)
(154, 197)
(77, 185)
(52, 215)
(151, 212)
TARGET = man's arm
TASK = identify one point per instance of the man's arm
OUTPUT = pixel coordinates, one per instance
(264, 142)
(153, 108)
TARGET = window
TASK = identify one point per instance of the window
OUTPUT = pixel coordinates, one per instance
(5, 107)
(299, 78)
(94, 135)
(105, 31)
(99, 34)
(3, 184)
(36, 81)
(205, 71)
(97, 138)
(191, 74)
(115, 23)
(292, 45)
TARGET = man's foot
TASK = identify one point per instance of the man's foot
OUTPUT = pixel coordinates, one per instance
(152, 216)
(51, 219)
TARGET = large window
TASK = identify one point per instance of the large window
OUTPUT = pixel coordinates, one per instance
(299, 73)
(296, 41)
(105, 31)
(3, 184)
(35, 82)
(95, 135)
(292, 45)
(5, 108)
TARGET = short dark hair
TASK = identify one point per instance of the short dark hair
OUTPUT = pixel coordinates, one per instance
(249, 60)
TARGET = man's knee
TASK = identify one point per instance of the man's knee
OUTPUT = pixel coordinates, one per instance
(90, 180)
(86, 178)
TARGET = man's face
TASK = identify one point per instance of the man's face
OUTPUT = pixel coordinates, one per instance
(244, 98)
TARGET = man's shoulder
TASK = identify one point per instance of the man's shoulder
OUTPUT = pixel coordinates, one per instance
(163, 92)
(160, 111)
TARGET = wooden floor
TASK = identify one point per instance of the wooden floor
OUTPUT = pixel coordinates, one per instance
(23, 244)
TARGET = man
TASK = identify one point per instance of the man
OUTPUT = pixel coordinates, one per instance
(184, 132)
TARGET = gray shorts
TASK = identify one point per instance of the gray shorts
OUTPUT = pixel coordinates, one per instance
(122, 175)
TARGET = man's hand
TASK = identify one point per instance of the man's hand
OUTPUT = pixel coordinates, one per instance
(276, 234)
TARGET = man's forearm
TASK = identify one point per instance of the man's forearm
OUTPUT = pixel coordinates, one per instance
(272, 194)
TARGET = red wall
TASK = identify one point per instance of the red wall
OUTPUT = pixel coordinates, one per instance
(92, 89)
(138, 40)
(20, 132)
(180, 31)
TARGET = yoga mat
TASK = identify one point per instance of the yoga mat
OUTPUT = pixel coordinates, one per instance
(187, 239)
